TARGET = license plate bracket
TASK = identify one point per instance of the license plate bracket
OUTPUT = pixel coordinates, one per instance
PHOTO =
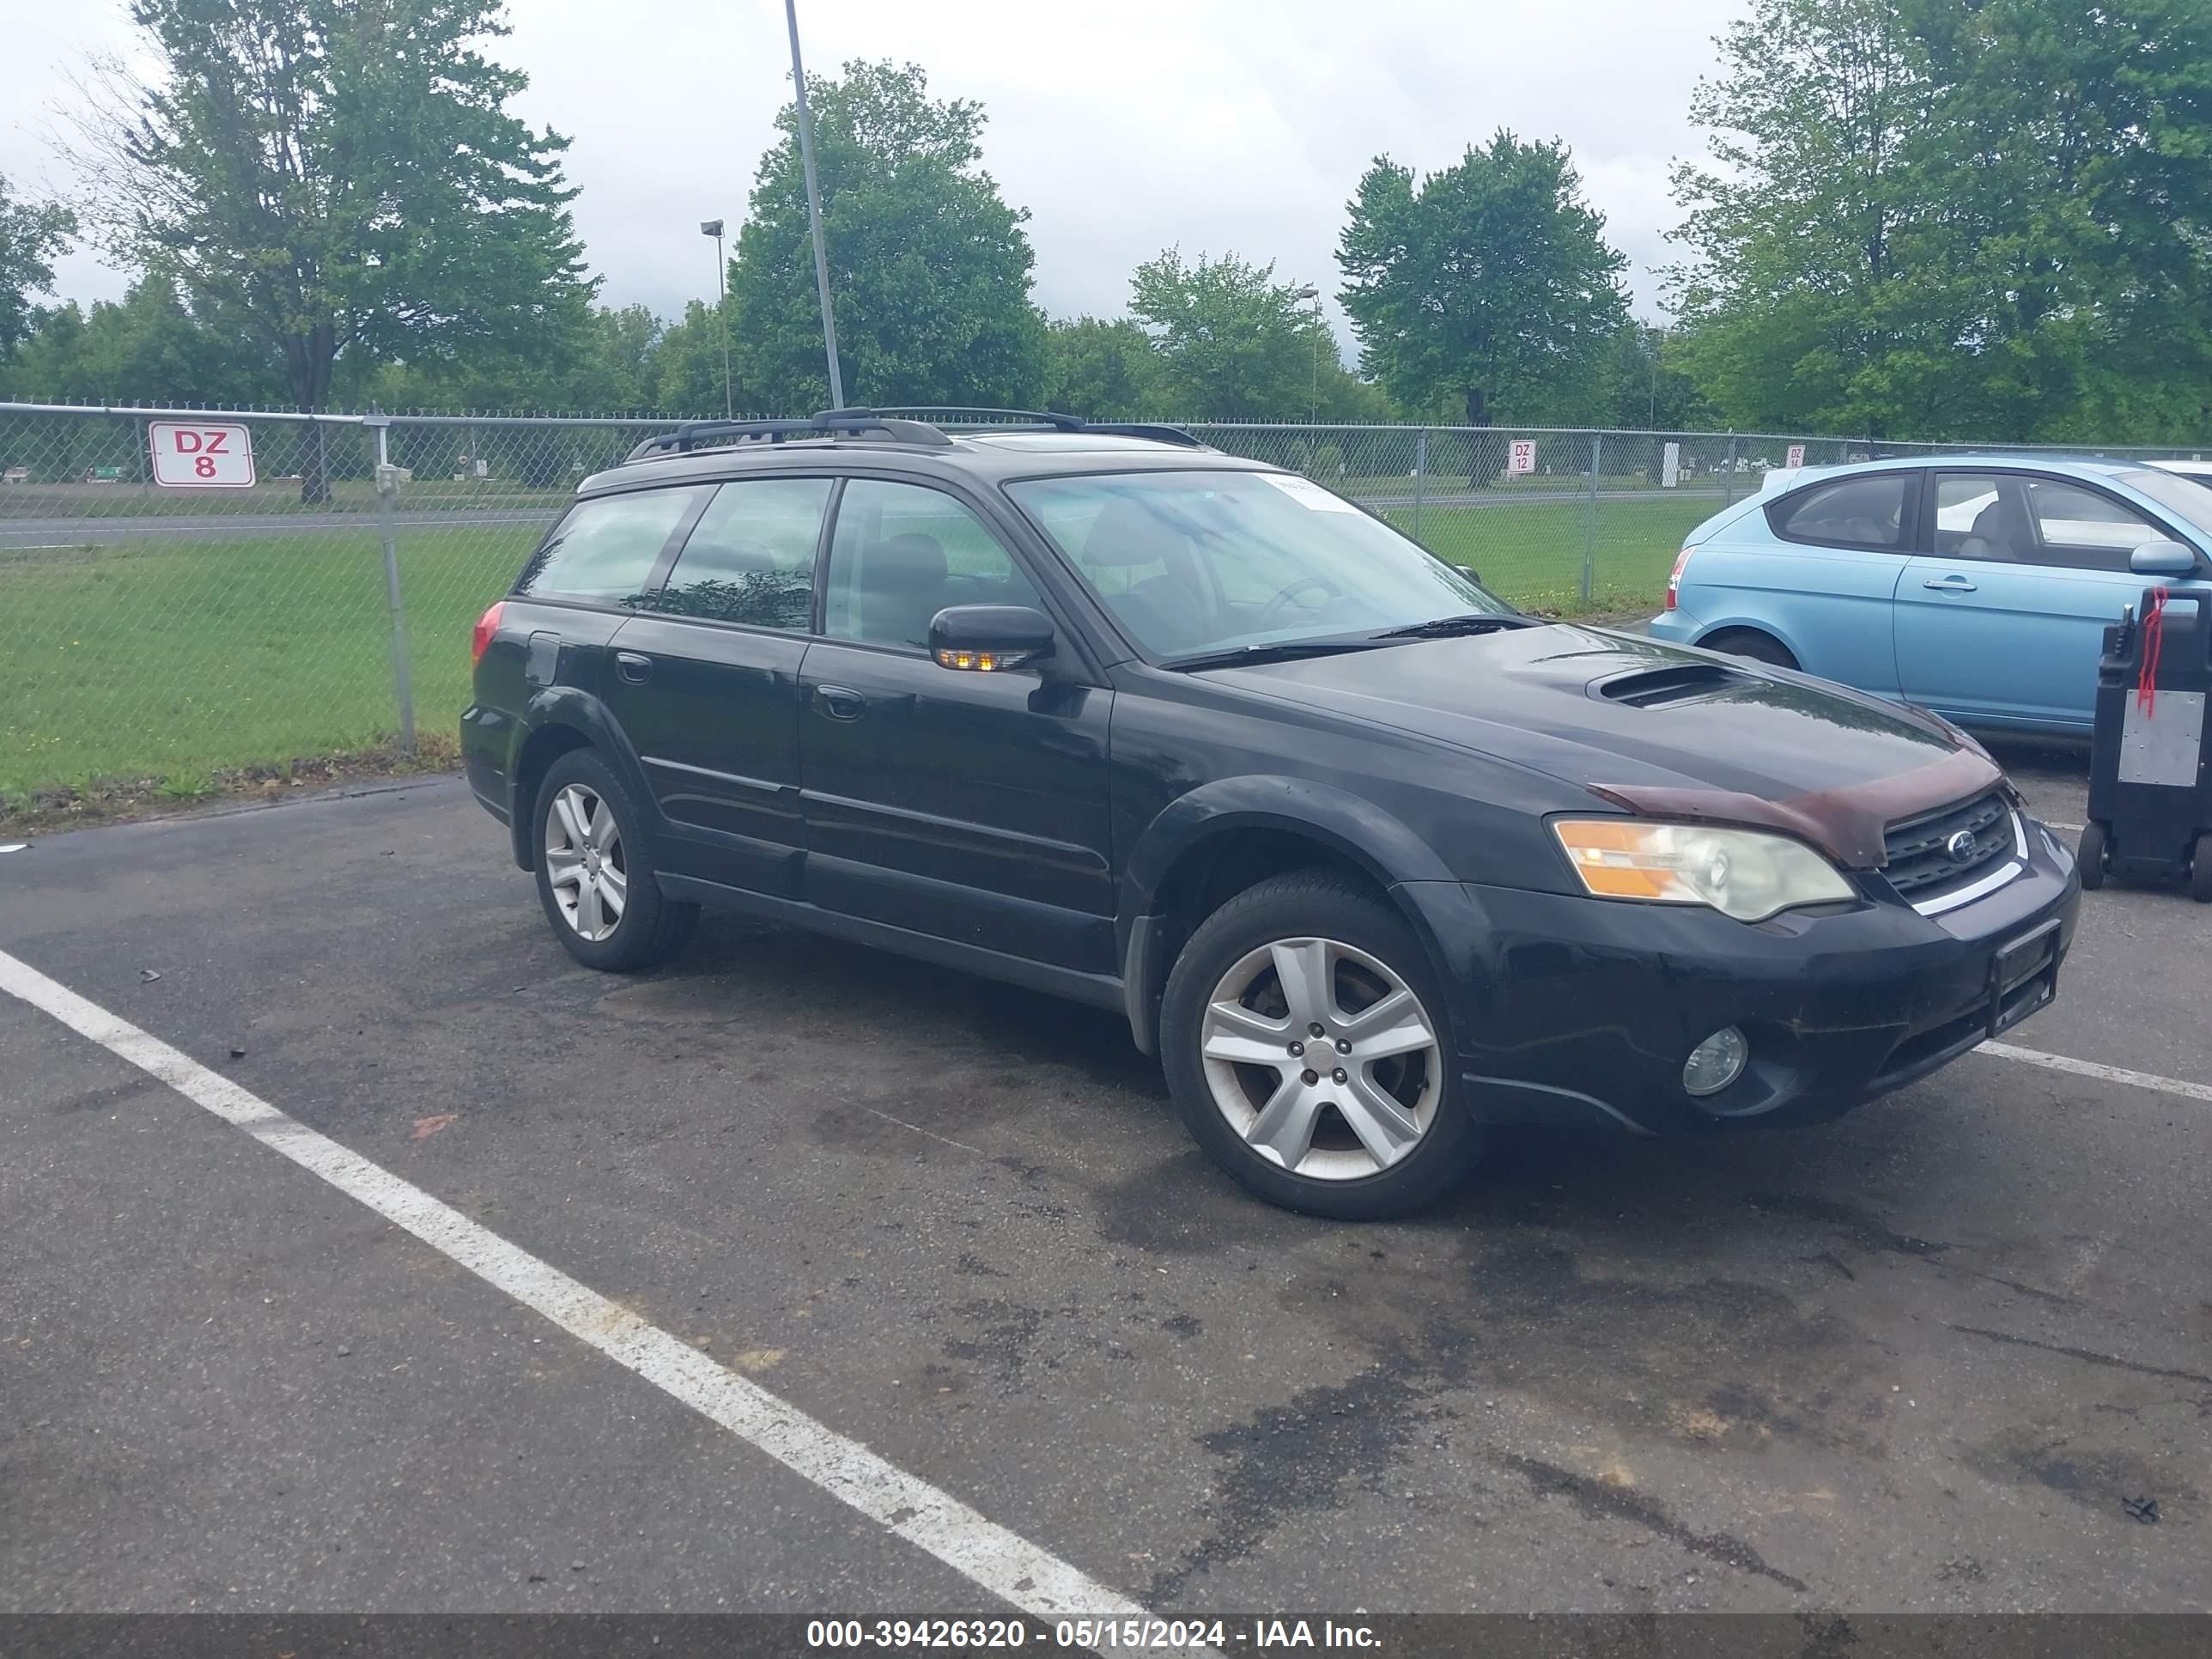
(2029, 960)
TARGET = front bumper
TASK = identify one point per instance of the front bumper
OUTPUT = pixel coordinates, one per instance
(1574, 1011)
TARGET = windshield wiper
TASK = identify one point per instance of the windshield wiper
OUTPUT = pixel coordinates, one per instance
(1279, 651)
(1445, 628)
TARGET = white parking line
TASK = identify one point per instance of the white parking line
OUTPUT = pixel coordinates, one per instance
(1008, 1566)
(2171, 1085)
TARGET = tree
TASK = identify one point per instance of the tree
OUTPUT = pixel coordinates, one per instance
(2070, 148)
(150, 347)
(1827, 287)
(929, 267)
(687, 367)
(343, 175)
(31, 234)
(1104, 370)
(1646, 388)
(1233, 343)
(1489, 283)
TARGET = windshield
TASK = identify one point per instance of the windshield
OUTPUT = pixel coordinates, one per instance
(1191, 564)
(2189, 498)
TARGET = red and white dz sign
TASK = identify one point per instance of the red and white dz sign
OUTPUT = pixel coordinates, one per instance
(201, 457)
(1795, 456)
(1521, 455)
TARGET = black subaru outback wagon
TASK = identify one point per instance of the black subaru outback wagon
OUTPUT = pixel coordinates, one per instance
(1369, 859)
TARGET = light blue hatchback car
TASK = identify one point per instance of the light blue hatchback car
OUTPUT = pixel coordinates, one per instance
(1978, 586)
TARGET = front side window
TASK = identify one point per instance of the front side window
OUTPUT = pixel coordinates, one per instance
(751, 558)
(1868, 511)
(902, 553)
(1189, 563)
(2082, 528)
(604, 551)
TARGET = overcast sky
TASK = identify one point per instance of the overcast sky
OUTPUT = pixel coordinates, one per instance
(1123, 126)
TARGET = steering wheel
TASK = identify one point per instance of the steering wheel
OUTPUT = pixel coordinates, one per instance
(1290, 589)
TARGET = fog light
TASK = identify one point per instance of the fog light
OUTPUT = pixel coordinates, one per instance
(1716, 1062)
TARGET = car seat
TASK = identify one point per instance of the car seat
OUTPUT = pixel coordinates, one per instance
(1168, 611)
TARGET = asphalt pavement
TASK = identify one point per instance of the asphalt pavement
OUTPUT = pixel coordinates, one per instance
(1937, 1356)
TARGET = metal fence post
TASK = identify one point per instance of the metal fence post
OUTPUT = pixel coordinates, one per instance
(387, 501)
(1590, 528)
(1420, 476)
(1728, 474)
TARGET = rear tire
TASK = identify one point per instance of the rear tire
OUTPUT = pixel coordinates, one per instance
(1374, 1121)
(2200, 869)
(1751, 644)
(595, 874)
(2089, 856)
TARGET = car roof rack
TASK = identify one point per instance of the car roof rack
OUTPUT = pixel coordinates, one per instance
(1051, 420)
(828, 423)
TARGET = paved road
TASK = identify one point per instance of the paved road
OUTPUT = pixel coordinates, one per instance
(1918, 1359)
(207, 526)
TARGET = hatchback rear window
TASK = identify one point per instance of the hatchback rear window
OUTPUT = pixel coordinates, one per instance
(1862, 512)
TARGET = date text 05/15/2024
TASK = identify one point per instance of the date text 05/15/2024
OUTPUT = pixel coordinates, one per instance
(1165, 1635)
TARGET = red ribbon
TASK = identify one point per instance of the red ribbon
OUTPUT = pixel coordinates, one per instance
(2153, 626)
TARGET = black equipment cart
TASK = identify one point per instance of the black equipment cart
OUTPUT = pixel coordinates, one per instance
(2150, 773)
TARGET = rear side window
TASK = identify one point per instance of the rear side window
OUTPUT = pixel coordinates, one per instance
(751, 558)
(605, 550)
(1862, 512)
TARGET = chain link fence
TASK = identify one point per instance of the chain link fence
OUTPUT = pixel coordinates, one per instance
(170, 635)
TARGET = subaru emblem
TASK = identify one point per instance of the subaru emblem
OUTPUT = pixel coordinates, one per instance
(1961, 847)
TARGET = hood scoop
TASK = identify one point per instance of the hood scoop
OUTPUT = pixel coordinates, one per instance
(1679, 682)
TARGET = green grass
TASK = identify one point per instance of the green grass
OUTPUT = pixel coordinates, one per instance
(178, 659)
(1533, 554)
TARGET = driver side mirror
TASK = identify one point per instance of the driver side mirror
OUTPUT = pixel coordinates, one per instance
(1470, 573)
(2162, 558)
(987, 639)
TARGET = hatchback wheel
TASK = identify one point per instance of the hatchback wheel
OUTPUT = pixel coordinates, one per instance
(595, 876)
(1309, 1052)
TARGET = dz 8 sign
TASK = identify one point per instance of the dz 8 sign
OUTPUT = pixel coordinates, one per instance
(198, 457)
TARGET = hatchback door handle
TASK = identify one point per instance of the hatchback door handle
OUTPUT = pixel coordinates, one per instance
(633, 669)
(839, 703)
(1951, 585)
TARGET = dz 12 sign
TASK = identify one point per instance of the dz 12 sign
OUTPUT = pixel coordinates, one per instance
(1521, 455)
(201, 457)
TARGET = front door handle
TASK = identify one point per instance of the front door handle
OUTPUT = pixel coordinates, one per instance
(633, 669)
(1951, 585)
(839, 703)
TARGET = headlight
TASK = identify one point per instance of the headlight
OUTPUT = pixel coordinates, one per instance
(1739, 873)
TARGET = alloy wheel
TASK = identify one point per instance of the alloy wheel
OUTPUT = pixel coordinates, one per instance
(585, 862)
(1321, 1058)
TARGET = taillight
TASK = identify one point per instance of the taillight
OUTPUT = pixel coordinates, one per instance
(488, 625)
(1674, 577)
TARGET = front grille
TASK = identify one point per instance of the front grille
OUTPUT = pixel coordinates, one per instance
(1920, 864)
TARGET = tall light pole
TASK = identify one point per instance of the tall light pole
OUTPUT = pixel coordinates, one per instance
(1651, 405)
(814, 209)
(1313, 388)
(713, 227)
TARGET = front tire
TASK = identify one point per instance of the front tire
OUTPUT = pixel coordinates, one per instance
(1309, 1050)
(2200, 869)
(595, 875)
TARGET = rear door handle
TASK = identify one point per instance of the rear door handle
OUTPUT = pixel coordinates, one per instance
(633, 669)
(1951, 585)
(840, 703)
